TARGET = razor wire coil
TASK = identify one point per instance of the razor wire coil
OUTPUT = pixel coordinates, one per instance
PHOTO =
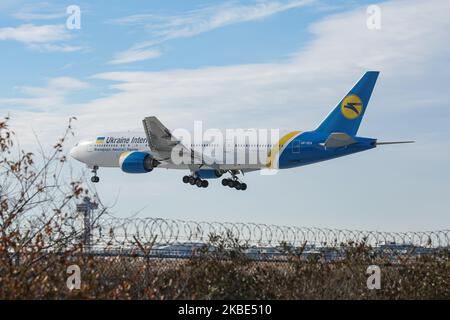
(126, 232)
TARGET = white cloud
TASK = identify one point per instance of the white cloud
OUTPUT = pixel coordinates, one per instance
(163, 28)
(23, 15)
(44, 38)
(134, 56)
(67, 83)
(50, 47)
(47, 98)
(40, 11)
(209, 18)
(32, 34)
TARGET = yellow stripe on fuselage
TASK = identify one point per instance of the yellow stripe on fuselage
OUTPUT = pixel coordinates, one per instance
(276, 149)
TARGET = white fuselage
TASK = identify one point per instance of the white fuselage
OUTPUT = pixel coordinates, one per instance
(106, 152)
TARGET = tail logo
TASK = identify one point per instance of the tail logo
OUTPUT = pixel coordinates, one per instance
(351, 107)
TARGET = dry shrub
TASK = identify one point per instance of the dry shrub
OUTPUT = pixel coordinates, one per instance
(39, 227)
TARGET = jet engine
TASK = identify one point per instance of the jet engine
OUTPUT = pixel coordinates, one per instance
(137, 162)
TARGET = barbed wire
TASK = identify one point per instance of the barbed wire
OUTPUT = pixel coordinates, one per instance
(126, 232)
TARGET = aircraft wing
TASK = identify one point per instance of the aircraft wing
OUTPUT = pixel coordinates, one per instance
(161, 142)
(159, 138)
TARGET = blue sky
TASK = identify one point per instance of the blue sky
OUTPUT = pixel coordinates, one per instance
(270, 64)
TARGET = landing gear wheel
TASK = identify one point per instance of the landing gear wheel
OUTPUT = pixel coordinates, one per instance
(205, 184)
(198, 183)
(234, 182)
(95, 179)
(192, 180)
(186, 179)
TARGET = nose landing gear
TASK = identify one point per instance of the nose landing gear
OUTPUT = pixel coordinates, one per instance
(95, 178)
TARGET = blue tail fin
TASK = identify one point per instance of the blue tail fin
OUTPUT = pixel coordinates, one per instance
(347, 116)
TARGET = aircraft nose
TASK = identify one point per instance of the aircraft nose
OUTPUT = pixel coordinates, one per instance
(74, 153)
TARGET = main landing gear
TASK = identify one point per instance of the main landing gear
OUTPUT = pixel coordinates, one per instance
(194, 181)
(95, 178)
(234, 182)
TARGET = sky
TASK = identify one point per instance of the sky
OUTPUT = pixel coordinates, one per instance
(243, 64)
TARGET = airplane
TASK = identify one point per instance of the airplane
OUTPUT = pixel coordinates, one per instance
(141, 152)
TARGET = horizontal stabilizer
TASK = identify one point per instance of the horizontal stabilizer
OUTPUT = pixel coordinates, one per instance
(393, 142)
(339, 139)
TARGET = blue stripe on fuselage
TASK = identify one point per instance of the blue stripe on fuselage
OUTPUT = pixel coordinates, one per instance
(307, 149)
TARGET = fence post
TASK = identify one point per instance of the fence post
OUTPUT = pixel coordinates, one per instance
(86, 208)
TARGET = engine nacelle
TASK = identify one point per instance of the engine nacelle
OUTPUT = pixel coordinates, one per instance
(137, 162)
